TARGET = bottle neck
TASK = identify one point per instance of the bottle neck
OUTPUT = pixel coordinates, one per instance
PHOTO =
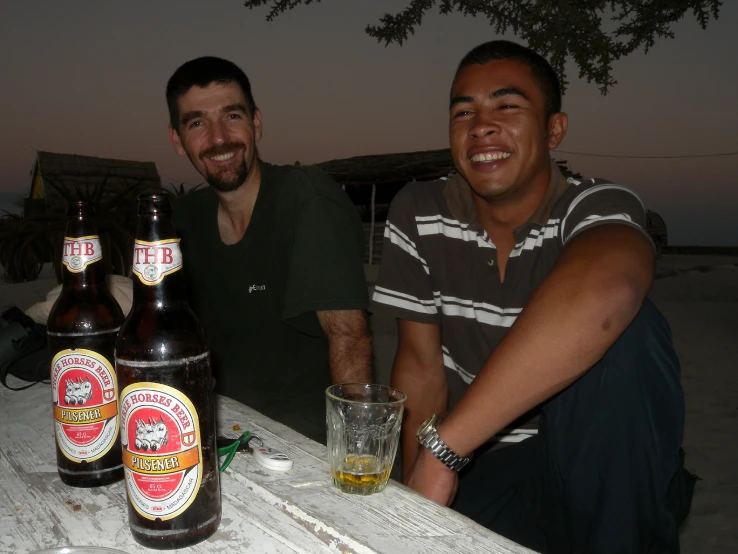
(157, 264)
(82, 259)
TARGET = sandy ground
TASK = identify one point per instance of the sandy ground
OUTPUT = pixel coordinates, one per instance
(702, 309)
(699, 296)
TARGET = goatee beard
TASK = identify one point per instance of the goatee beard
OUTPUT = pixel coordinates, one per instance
(230, 180)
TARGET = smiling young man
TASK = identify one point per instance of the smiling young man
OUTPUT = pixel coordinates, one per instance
(272, 255)
(525, 334)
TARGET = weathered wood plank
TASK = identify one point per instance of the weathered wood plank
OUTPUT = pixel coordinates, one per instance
(263, 511)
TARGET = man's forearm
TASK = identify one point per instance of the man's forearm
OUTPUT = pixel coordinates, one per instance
(350, 359)
(349, 345)
(425, 396)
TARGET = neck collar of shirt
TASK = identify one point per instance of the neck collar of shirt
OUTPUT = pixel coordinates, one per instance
(460, 200)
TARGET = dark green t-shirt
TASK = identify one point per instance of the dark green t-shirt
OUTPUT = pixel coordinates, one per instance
(302, 252)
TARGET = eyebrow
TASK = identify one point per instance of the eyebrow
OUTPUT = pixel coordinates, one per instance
(189, 116)
(507, 91)
(239, 107)
(499, 93)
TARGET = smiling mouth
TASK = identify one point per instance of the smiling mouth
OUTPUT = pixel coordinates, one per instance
(222, 157)
(490, 156)
(223, 152)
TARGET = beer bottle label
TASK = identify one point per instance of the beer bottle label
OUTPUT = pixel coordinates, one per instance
(84, 390)
(152, 261)
(80, 252)
(162, 457)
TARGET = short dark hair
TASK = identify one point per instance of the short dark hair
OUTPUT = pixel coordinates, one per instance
(201, 72)
(542, 71)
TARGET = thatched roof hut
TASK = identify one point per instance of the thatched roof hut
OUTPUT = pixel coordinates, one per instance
(83, 174)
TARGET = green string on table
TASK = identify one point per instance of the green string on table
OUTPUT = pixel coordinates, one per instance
(230, 451)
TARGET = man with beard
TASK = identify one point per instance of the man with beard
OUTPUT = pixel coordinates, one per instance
(272, 255)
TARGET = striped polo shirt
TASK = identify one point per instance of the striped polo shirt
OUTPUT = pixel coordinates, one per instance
(439, 266)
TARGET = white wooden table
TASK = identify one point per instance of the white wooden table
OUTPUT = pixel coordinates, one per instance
(263, 511)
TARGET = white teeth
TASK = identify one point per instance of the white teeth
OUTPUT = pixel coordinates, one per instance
(223, 157)
(489, 156)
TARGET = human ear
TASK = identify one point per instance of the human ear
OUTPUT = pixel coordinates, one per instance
(257, 125)
(558, 123)
(176, 142)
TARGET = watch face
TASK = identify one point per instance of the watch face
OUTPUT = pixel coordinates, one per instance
(421, 430)
(428, 424)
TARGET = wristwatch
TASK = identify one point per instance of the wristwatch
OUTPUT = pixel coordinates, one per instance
(428, 436)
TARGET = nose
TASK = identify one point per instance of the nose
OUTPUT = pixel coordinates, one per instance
(218, 134)
(484, 125)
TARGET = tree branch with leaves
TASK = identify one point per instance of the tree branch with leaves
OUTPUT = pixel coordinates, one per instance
(593, 33)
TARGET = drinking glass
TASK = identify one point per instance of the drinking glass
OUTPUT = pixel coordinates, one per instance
(363, 433)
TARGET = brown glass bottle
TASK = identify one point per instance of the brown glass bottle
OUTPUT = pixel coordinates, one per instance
(82, 327)
(166, 399)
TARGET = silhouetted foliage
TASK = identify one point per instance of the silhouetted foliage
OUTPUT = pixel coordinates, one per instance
(594, 33)
(179, 190)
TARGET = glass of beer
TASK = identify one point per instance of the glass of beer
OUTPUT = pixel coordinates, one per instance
(363, 433)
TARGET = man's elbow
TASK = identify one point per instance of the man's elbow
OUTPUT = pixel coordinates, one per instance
(620, 299)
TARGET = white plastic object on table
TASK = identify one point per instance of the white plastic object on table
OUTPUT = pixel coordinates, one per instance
(272, 459)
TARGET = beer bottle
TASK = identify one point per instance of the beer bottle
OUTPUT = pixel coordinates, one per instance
(82, 329)
(166, 401)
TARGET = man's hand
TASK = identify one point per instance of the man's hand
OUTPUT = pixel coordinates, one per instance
(432, 479)
(349, 345)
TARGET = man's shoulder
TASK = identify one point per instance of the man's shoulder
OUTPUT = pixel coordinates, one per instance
(581, 188)
(588, 203)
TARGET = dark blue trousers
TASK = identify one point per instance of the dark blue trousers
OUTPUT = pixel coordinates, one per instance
(605, 473)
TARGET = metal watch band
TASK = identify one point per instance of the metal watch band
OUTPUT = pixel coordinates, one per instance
(433, 442)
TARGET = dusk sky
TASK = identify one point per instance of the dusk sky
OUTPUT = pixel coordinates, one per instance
(88, 78)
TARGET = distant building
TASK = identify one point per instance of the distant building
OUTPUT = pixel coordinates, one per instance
(52, 174)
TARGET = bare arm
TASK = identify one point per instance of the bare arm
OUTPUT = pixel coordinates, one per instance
(349, 345)
(575, 315)
(418, 372)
